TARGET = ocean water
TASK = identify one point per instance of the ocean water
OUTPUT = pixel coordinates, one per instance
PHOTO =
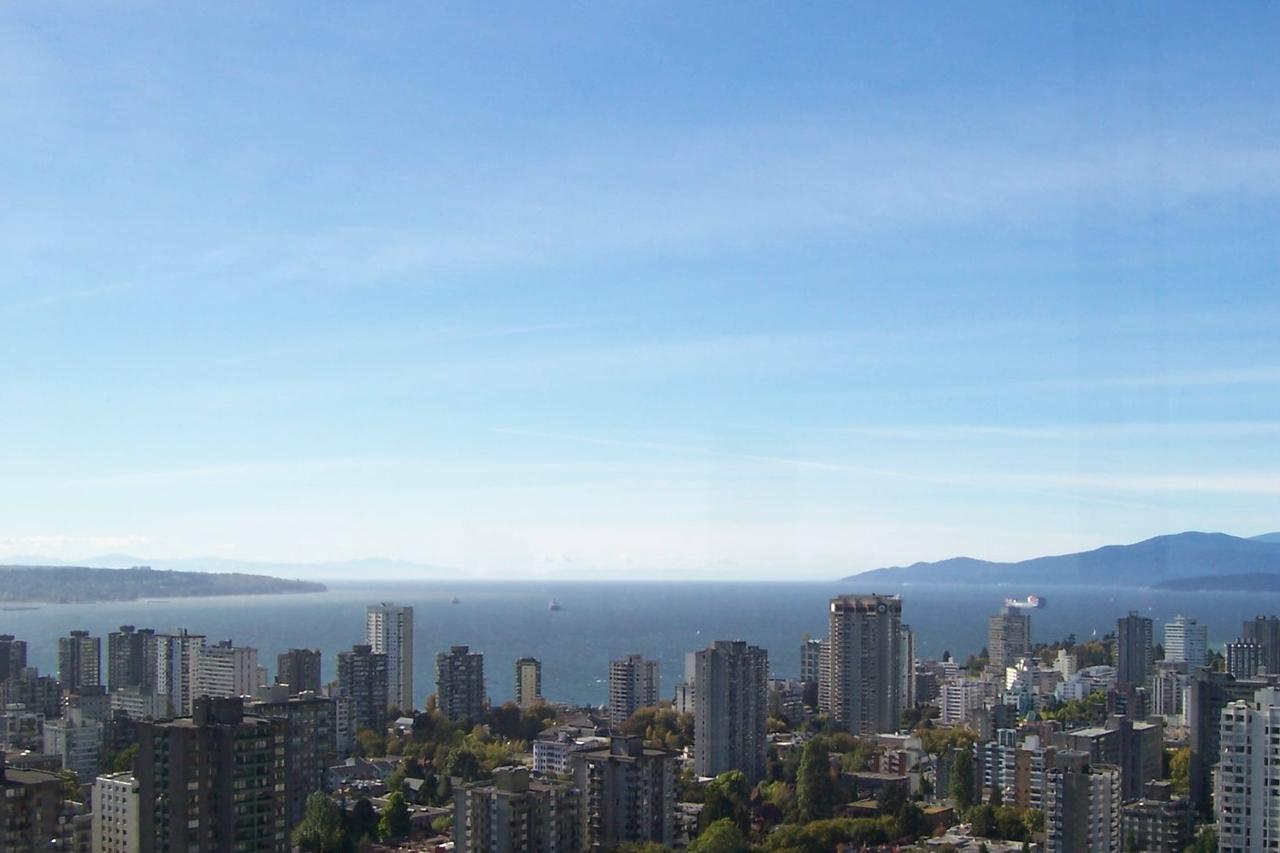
(602, 621)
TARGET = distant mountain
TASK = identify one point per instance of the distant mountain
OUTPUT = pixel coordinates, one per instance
(64, 584)
(1146, 563)
(1267, 537)
(370, 568)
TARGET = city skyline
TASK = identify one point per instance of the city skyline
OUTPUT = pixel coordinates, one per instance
(626, 292)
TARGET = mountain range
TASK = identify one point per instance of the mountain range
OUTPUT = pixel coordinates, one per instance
(1190, 560)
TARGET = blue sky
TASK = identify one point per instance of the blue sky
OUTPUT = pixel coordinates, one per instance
(585, 290)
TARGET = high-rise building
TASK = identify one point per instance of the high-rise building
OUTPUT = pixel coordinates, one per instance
(1265, 631)
(130, 658)
(362, 677)
(300, 669)
(865, 663)
(1082, 806)
(1244, 793)
(633, 684)
(13, 656)
(1008, 637)
(908, 671)
(731, 688)
(175, 663)
(1208, 693)
(115, 814)
(1244, 658)
(225, 670)
(30, 809)
(528, 682)
(388, 629)
(309, 744)
(79, 661)
(1134, 747)
(810, 658)
(516, 814)
(1168, 690)
(460, 693)
(1186, 641)
(77, 741)
(1134, 649)
(627, 794)
(213, 782)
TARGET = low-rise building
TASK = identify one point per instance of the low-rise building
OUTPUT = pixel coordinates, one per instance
(516, 814)
(1158, 822)
(628, 793)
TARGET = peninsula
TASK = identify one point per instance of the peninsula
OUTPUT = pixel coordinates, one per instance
(75, 584)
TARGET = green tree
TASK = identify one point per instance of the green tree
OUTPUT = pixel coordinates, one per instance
(1180, 770)
(320, 830)
(1206, 841)
(997, 797)
(962, 783)
(983, 820)
(909, 821)
(124, 759)
(394, 822)
(727, 796)
(464, 763)
(723, 836)
(369, 742)
(363, 822)
(815, 792)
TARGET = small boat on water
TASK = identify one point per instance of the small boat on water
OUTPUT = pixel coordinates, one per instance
(455, 600)
(553, 605)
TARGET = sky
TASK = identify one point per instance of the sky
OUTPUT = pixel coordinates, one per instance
(590, 290)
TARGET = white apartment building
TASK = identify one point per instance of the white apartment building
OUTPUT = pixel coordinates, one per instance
(388, 628)
(77, 741)
(224, 670)
(1186, 641)
(961, 697)
(1249, 774)
(175, 662)
(115, 814)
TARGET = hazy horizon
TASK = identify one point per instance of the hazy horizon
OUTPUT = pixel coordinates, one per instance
(534, 290)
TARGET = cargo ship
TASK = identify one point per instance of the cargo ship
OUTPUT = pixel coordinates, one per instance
(1029, 602)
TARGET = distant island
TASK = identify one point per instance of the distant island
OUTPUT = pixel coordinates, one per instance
(1180, 561)
(78, 584)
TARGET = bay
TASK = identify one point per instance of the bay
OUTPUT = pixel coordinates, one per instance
(600, 621)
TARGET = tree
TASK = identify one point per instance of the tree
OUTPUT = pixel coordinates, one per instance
(320, 830)
(1206, 841)
(723, 836)
(1180, 770)
(124, 759)
(369, 742)
(983, 821)
(463, 763)
(394, 822)
(363, 822)
(962, 784)
(727, 796)
(815, 792)
(909, 821)
(997, 797)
